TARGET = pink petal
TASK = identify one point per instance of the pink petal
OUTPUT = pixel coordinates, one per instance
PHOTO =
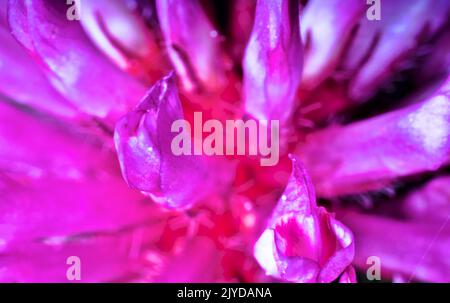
(369, 154)
(74, 67)
(379, 46)
(116, 256)
(273, 60)
(303, 242)
(35, 210)
(118, 29)
(59, 187)
(35, 146)
(431, 203)
(192, 43)
(143, 141)
(326, 27)
(417, 250)
(21, 79)
(437, 62)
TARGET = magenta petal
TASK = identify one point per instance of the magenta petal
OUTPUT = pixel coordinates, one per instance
(343, 244)
(379, 46)
(417, 250)
(369, 154)
(74, 66)
(303, 242)
(326, 27)
(192, 44)
(114, 27)
(121, 32)
(23, 81)
(113, 256)
(35, 146)
(143, 141)
(57, 209)
(55, 181)
(431, 203)
(273, 60)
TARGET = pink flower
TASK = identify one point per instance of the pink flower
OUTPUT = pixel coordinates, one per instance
(307, 243)
(87, 169)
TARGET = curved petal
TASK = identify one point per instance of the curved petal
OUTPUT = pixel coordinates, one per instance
(430, 203)
(417, 250)
(273, 60)
(119, 30)
(35, 146)
(326, 27)
(342, 253)
(192, 43)
(379, 46)
(369, 154)
(303, 242)
(144, 144)
(117, 256)
(75, 68)
(50, 209)
(22, 81)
